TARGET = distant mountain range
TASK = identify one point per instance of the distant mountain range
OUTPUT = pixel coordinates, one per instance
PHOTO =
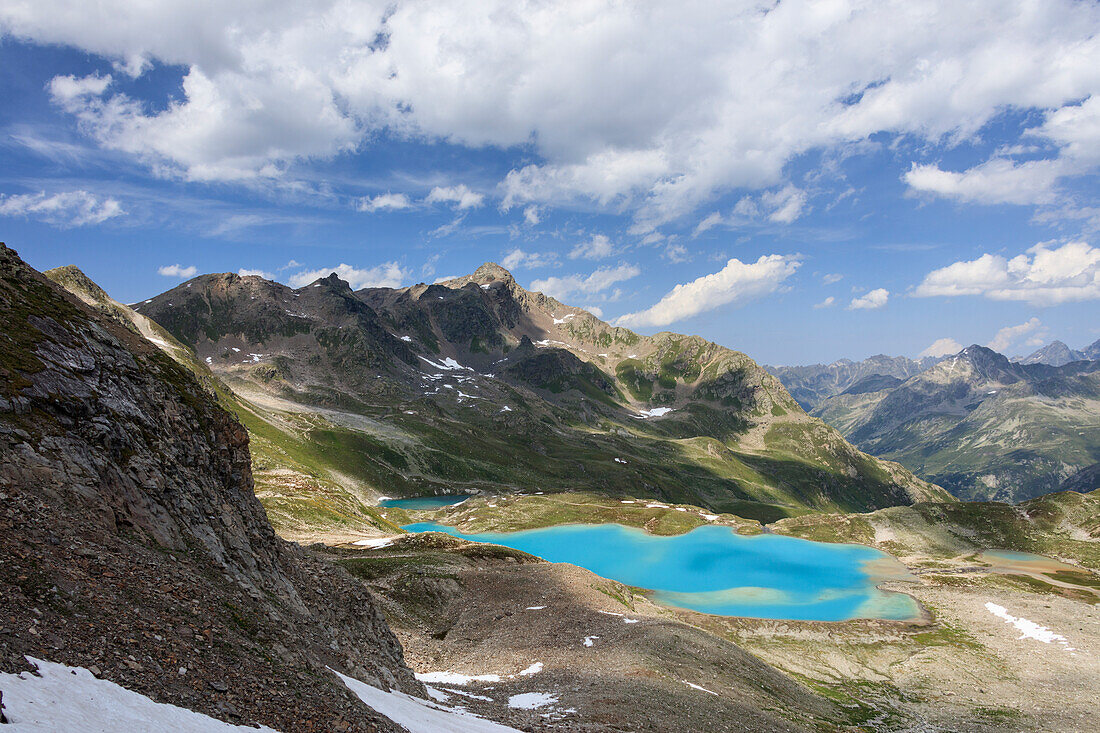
(1058, 354)
(476, 384)
(975, 423)
(812, 384)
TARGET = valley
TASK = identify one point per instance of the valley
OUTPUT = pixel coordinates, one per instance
(507, 412)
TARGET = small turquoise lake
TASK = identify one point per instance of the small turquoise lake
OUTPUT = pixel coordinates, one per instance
(714, 570)
(426, 503)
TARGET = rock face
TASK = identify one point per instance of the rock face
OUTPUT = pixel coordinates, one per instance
(132, 542)
(478, 384)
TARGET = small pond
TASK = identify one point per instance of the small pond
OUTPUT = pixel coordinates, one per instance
(427, 503)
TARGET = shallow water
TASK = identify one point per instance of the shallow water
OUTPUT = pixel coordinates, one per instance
(424, 502)
(715, 570)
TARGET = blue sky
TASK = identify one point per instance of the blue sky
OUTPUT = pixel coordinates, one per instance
(802, 182)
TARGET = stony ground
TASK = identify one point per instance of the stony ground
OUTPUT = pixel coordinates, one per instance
(960, 669)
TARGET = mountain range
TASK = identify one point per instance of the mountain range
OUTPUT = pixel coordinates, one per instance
(980, 425)
(478, 384)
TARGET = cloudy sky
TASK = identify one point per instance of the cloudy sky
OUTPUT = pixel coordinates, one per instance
(803, 181)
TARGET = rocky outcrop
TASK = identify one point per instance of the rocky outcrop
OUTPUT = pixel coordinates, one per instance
(132, 543)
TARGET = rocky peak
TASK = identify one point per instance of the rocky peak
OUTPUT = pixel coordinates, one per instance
(491, 272)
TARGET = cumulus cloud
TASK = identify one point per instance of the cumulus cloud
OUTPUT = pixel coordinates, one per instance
(245, 272)
(386, 275)
(460, 196)
(941, 347)
(827, 303)
(658, 107)
(566, 287)
(738, 282)
(384, 202)
(872, 300)
(596, 247)
(178, 271)
(69, 209)
(1044, 275)
(1010, 335)
(997, 181)
(517, 258)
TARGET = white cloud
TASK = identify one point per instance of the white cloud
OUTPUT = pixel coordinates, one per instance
(384, 202)
(517, 258)
(386, 275)
(737, 282)
(531, 215)
(1010, 335)
(597, 247)
(1074, 130)
(461, 196)
(1041, 276)
(69, 209)
(997, 181)
(565, 287)
(785, 205)
(941, 347)
(657, 107)
(244, 272)
(831, 278)
(594, 310)
(709, 222)
(872, 300)
(677, 253)
(178, 271)
(827, 303)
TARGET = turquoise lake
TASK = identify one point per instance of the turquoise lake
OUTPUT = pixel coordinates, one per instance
(424, 502)
(714, 570)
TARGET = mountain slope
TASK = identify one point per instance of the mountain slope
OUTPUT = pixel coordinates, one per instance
(133, 543)
(980, 425)
(476, 384)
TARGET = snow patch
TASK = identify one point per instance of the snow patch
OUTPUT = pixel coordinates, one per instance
(571, 316)
(534, 608)
(656, 506)
(454, 678)
(448, 364)
(590, 640)
(375, 542)
(533, 669)
(620, 460)
(532, 700)
(697, 687)
(406, 338)
(627, 501)
(1028, 629)
(655, 412)
(63, 698)
(421, 716)
(709, 517)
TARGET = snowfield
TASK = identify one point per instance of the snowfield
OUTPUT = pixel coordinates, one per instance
(421, 716)
(63, 698)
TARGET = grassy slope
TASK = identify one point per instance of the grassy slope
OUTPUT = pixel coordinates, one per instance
(1064, 525)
